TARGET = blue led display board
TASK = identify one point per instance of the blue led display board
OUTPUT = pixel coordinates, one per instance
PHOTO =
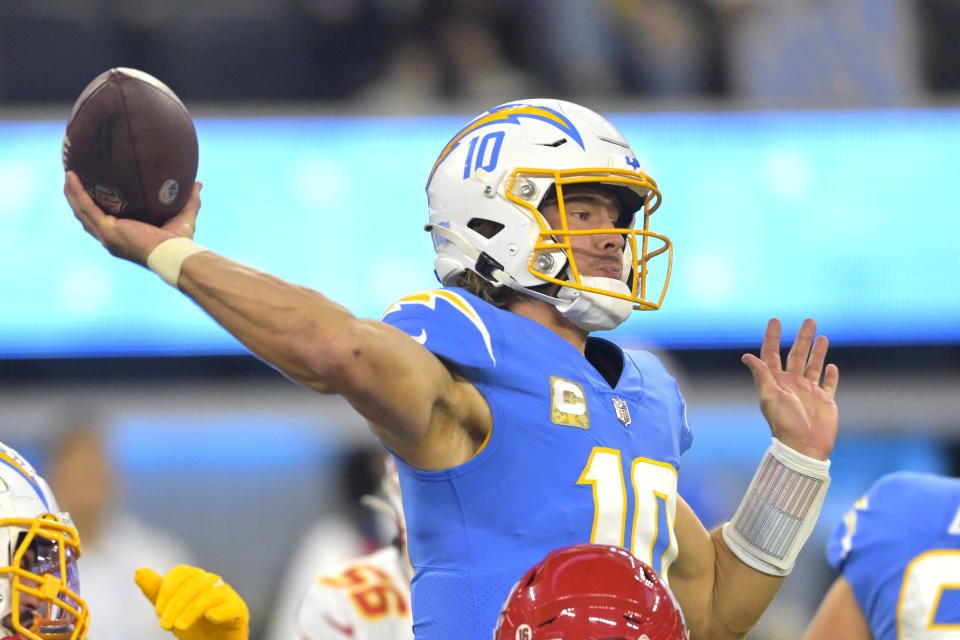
(847, 217)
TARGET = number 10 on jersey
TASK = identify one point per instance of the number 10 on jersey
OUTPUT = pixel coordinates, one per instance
(654, 486)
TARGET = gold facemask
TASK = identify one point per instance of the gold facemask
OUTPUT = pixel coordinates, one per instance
(43, 572)
(519, 189)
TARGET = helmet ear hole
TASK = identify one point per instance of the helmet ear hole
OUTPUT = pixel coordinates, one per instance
(486, 228)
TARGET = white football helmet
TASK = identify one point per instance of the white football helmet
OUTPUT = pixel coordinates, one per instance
(39, 547)
(498, 169)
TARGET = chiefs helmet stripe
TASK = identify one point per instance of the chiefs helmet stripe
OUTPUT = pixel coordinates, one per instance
(28, 476)
(511, 113)
(429, 299)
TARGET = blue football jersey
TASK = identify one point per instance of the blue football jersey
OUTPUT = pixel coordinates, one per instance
(899, 547)
(569, 459)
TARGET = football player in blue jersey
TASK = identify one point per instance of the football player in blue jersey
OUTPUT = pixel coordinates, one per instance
(515, 432)
(898, 554)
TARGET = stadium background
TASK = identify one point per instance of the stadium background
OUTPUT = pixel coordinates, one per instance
(807, 152)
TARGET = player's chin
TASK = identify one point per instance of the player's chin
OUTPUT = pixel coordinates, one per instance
(7, 623)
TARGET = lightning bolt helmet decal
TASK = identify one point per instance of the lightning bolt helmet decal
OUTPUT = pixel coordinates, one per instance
(510, 114)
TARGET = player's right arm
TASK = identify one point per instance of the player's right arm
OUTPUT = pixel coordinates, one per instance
(839, 616)
(411, 400)
(414, 404)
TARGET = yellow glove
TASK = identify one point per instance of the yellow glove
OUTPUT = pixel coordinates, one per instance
(195, 604)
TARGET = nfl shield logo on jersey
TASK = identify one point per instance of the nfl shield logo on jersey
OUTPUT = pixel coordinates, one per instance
(623, 411)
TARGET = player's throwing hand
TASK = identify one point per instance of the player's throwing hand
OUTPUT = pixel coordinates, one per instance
(128, 239)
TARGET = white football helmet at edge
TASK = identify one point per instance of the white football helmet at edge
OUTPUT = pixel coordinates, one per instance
(494, 174)
(39, 547)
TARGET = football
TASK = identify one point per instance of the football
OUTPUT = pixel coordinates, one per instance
(133, 145)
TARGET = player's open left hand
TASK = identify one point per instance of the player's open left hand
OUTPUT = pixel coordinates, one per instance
(128, 239)
(799, 407)
(195, 604)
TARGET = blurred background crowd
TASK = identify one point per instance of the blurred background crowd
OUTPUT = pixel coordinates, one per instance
(405, 54)
(215, 459)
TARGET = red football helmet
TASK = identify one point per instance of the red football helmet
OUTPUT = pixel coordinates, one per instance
(590, 592)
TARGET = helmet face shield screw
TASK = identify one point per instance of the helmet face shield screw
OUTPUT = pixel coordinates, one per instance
(543, 262)
(489, 191)
(526, 189)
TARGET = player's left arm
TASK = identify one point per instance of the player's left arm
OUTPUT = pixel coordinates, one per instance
(839, 616)
(721, 597)
(726, 578)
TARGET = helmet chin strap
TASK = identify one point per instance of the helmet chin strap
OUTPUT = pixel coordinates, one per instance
(592, 311)
(586, 310)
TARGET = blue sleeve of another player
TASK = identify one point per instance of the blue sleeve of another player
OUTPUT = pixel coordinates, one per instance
(873, 516)
(841, 540)
(872, 547)
(453, 324)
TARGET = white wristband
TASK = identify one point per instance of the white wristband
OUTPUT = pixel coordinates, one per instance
(167, 258)
(779, 510)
